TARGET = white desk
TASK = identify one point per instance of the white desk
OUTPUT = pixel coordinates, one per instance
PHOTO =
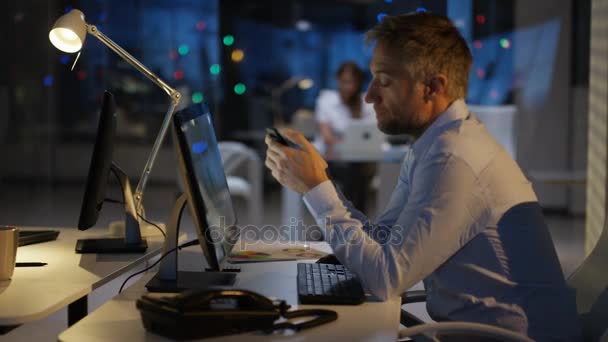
(36, 292)
(119, 319)
(389, 164)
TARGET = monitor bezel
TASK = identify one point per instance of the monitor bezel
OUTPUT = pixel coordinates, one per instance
(196, 203)
(100, 164)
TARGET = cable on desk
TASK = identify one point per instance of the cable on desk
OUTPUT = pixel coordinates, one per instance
(184, 245)
(152, 223)
(111, 200)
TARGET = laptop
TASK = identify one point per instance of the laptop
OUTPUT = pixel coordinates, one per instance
(361, 138)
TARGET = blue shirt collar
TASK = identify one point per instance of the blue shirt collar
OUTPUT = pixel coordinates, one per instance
(456, 111)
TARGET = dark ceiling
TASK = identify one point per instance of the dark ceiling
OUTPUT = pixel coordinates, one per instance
(361, 14)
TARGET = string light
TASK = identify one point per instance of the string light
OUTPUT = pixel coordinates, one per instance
(505, 43)
(481, 73)
(215, 69)
(228, 40)
(65, 59)
(81, 75)
(239, 88)
(178, 74)
(197, 97)
(478, 44)
(173, 54)
(48, 80)
(421, 10)
(237, 55)
(183, 49)
(201, 25)
(381, 16)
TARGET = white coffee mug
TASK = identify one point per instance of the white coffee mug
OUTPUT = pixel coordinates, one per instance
(9, 241)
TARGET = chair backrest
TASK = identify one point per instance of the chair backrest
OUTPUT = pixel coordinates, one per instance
(243, 166)
(591, 283)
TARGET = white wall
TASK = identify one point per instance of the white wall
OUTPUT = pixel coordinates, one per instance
(542, 128)
(598, 119)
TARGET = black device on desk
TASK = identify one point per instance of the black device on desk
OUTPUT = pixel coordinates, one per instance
(28, 237)
(208, 197)
(95, 191)
(207, 313)
(217, 312)
(328, 284)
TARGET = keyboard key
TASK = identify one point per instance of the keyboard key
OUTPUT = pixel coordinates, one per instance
(328, 284)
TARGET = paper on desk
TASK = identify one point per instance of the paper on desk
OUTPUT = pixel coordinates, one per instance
(270, 252)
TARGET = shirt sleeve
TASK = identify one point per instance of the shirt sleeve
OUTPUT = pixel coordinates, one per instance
(443, 211)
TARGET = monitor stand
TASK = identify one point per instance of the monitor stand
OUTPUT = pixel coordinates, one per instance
(168, 278)
(132, 241)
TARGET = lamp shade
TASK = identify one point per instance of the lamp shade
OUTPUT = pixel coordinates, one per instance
(69, 32)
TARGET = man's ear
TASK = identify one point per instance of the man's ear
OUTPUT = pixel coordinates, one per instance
(437, 85)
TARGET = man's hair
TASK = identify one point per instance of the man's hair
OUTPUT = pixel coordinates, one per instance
(429, 44)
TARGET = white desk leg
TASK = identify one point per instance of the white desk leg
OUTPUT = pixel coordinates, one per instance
(292, 206)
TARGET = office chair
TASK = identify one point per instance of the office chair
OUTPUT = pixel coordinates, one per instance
(590, 281)
(243, 169)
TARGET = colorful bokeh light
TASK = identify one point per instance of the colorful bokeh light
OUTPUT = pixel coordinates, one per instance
(215, 69)
(48, 80)
(183, 49)
(239, 88)
(81, 75)
(197, 97)
(201, 25)
(228, 40)
(237, 55)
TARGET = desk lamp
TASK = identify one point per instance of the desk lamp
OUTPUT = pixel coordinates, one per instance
(68, 35)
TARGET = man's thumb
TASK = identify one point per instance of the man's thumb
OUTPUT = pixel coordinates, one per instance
(297, 138)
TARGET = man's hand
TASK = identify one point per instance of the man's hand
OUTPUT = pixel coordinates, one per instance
(298, 169)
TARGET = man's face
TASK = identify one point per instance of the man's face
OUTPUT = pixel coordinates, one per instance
(398, 100)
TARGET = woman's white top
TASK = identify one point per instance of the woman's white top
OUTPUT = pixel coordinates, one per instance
(331, 110)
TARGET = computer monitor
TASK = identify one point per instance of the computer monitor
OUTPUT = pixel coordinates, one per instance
(95, 191)
(206, 192)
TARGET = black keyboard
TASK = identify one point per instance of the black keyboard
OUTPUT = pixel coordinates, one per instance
(28, 237)
(328, 284)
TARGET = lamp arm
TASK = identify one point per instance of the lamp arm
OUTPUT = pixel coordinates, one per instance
(92, 29)
(139, 191)
(175, 99)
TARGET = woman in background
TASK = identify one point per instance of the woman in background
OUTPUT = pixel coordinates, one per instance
(334, 111)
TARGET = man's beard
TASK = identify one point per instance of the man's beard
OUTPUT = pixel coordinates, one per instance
(396, 126)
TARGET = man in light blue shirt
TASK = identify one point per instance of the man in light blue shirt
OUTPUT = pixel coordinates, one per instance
(463, 217)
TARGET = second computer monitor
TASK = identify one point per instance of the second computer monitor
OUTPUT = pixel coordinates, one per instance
(205, 184)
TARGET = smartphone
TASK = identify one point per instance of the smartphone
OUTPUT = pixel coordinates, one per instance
(276, 136)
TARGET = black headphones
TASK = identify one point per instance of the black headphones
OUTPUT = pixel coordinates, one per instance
(322, 317)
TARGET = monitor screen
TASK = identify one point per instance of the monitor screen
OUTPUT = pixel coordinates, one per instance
(205, 183)
(95, 191)
(101, 162)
